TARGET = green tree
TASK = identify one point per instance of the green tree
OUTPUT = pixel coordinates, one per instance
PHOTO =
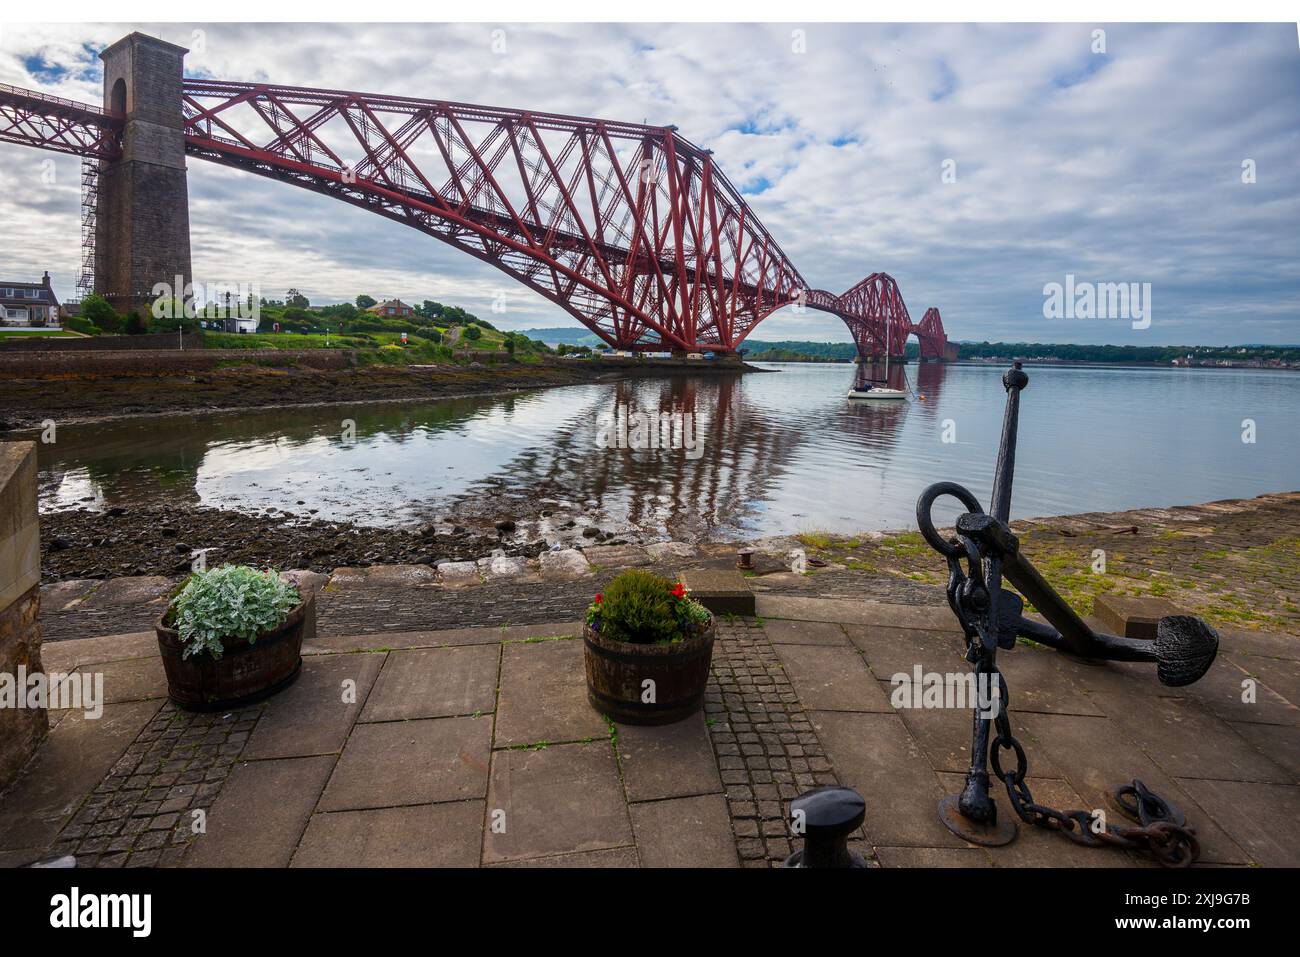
(294, 298)
(365, 302)
(95, 309)
(177, 323)
(473, 332)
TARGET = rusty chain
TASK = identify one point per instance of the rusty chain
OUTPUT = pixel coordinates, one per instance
(1159, 829)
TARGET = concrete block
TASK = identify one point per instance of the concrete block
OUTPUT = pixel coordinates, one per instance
(722, 591)
(1133, 616)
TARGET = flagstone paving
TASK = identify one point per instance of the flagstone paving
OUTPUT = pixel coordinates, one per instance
(477, 747)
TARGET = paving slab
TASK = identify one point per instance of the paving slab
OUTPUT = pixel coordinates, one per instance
(932, 857)
(1095, 754)
(1040, 679)
(556, 800)
(850, 611)
(71, 653)
(132, 679)
(23, 856)
(832, 678)
(1279, 743)
(1280, 674)
(609, 857)
(889, 651)
(1263, 818)
(428, 835)
(685, 832)
(393, 640)
(874, 754)
(74, 758)
(1231, 692)
(435, 683)
(670, 760)
(411, 762)
(784, 632)
(944, 735)
(566, 564)
(1133, 679)
(1265, 643)
(260, 813)
(1188, 742)
(543, 695)
(312, 716)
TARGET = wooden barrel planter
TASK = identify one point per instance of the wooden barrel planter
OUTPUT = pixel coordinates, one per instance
(245, 672)
(616, 671)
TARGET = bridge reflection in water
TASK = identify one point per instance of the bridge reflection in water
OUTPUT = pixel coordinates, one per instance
(468, 459)
(782, 453)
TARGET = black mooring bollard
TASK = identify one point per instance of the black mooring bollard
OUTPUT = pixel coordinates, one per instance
(826, 817)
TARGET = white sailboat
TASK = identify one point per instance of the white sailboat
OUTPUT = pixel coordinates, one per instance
(869, 391)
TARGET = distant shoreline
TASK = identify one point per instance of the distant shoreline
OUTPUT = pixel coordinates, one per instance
(1101, 364)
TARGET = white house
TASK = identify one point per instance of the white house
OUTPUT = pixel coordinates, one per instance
(28, 304)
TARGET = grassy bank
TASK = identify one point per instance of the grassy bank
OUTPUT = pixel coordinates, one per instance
(1234, 568)
(387, 348)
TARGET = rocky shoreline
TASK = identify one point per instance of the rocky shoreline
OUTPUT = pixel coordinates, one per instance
(163, 539)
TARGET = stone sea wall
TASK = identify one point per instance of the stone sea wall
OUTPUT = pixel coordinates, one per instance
(21, 729)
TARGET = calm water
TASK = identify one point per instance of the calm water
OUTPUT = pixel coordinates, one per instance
(782, 452)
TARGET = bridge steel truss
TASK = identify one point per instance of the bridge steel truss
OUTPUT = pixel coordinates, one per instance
(51, 123)
(630, 228)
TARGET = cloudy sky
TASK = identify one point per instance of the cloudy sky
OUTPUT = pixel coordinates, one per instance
(1122, 166)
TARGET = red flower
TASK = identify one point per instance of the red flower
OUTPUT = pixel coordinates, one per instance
(599, 597)
(679, 590)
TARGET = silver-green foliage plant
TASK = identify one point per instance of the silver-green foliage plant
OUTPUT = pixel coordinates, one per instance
(233, 601)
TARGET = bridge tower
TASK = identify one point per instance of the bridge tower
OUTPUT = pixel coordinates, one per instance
(142, 228)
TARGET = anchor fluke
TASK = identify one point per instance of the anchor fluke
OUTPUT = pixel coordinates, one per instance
(1185, 649)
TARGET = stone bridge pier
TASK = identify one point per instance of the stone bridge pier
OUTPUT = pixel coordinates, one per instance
(142, 228)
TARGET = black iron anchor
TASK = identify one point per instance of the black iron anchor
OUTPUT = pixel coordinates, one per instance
(991, 619)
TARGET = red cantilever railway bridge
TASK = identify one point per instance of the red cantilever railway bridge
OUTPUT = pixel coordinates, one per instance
(632, 229)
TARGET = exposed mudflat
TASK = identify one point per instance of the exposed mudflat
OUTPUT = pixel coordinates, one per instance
(26, 403)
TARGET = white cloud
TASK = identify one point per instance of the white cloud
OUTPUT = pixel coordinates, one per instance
(1122, 167)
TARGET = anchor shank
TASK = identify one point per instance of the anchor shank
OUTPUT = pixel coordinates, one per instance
(1076, 636)
(1000, 505)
